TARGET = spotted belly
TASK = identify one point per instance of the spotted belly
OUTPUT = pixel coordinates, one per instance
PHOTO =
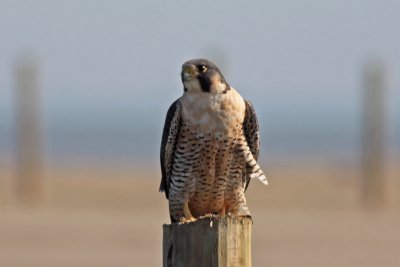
(208, 172)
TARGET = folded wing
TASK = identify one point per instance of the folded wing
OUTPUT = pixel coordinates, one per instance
(168, 142)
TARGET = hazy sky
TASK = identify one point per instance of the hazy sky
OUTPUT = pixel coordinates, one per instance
(289, 45)
(292, 57)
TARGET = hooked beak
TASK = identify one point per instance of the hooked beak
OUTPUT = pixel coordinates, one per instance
(188, 72)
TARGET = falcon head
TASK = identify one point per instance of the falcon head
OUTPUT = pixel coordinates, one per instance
(201, 75)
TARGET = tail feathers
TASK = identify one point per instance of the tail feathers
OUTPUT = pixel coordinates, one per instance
(253, 170)
(256, 172)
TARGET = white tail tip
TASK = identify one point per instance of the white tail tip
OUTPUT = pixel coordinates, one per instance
(263, 179)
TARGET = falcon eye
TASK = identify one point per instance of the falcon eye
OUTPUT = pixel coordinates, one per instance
(201, 68)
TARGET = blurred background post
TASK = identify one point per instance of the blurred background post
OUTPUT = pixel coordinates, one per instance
(373, 134)
(29, 175)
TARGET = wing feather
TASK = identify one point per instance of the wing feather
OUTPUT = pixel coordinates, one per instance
(168, 142)
(251, 133)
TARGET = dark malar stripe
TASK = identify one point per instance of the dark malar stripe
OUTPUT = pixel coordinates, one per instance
(205, 84)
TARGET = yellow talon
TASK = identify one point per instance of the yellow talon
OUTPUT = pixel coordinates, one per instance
(186, 212)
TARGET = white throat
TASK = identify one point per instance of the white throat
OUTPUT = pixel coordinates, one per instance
(208, 112)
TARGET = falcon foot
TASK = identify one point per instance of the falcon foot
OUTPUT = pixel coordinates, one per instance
(187, 220)
(188, 215)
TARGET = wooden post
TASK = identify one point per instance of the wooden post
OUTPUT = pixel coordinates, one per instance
(208, 242)
(373, 133)
(29, 182)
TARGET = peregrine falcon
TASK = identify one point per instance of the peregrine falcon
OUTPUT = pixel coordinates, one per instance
(209, 148)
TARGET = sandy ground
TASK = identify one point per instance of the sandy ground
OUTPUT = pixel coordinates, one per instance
(103, 217)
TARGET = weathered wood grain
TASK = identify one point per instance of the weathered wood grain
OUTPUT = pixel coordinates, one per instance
(208, 242)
